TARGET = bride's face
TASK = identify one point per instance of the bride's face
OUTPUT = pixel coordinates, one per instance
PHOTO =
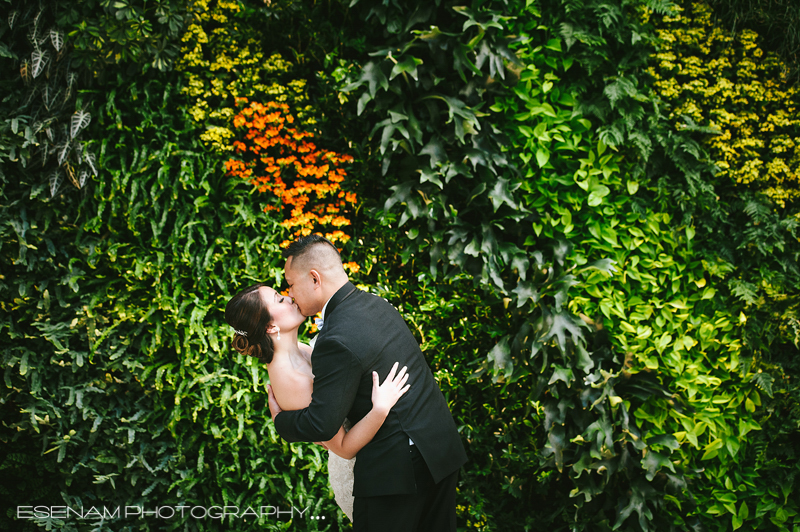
(283, 311)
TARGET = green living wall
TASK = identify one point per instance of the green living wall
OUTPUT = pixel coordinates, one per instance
(560, 197)
(120, 389)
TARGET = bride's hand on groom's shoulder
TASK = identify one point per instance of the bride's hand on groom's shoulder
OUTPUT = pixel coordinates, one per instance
(384, 396)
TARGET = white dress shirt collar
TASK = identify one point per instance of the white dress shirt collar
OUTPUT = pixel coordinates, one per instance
(321, 321)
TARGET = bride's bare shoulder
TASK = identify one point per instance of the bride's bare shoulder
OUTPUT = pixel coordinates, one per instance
(292, 388)
(305, 350)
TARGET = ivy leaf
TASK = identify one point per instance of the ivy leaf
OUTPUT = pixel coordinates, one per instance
(653, 462)
(562, 295)
(386, 135)
(457, 108)
(526, 290)
(502, 193)
(400, 194)
(560, 373)
(604, 265)
(489, 244)
(428, 174)
(407, 65)
(362, 103)
(666, 440)
(560, 325)
(435, 150)
(560, 251)
(585, 362)
(500, 355)
(520, 263)
(472, 20)
(374, 76)
(461, 59)
(557, 439)
(473, 248)
(477, 157)
(636, 502)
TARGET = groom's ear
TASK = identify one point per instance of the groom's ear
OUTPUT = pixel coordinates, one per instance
(315, 277)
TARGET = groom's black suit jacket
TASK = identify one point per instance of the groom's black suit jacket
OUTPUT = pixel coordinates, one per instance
(363, 333)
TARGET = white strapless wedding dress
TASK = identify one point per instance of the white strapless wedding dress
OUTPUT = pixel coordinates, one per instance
(340, 474)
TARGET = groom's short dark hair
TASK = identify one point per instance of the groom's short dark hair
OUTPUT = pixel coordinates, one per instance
(302, 245)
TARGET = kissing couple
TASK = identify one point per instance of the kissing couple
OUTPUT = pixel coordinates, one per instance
(407, 448)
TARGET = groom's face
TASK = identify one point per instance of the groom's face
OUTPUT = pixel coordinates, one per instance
(302, 288)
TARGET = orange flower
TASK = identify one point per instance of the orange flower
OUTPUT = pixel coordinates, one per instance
(352, 266)
(303, 177)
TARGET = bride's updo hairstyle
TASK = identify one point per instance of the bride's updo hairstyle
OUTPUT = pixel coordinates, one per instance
(247, 313)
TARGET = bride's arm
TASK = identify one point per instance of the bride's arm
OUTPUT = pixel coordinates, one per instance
(384, 397)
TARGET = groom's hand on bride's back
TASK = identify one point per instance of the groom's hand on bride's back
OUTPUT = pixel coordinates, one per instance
(274, 409)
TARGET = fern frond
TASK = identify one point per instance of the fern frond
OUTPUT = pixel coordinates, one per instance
(744, 291)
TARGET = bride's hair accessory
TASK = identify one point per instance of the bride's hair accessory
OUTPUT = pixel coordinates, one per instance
(248, 311)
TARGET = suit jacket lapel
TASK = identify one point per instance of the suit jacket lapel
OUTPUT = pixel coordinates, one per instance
(343, 293)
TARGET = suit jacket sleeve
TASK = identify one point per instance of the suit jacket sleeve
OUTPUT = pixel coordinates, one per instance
(337, 372)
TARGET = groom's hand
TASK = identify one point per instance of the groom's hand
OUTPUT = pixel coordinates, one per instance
(274, 409)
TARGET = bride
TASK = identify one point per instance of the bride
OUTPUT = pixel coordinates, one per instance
(265, 324)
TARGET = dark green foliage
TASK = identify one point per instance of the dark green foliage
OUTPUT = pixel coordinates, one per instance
(754, 241)
(43, 118)
(738, 225)
(135, 33)
(115, 352)
(549, 237)
(49, 52)
(27, 479)
(470, 207)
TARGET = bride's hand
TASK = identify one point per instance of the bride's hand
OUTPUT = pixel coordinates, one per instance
(274, 409)
(384, 396)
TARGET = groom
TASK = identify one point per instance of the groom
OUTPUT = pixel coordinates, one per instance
(405, 478)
